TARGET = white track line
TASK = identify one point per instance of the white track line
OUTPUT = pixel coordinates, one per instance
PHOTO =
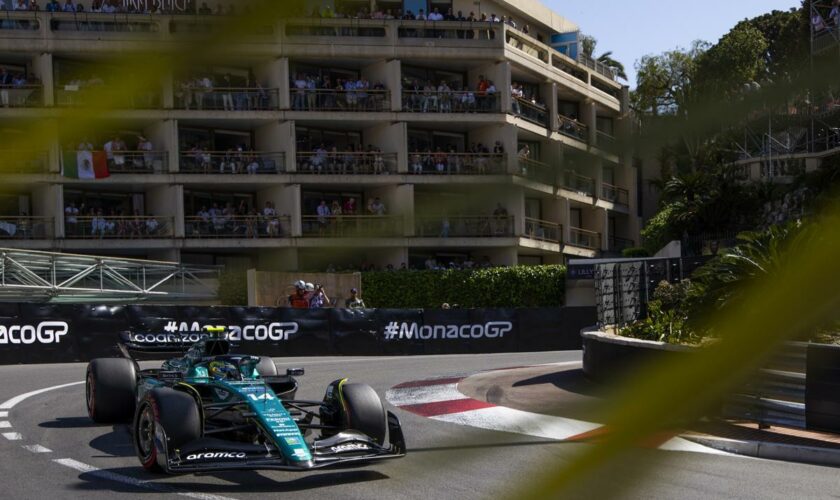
(13, 436)
(4, 414)
(11, 403)
(36, 448)
(132, 481)
(5, 424)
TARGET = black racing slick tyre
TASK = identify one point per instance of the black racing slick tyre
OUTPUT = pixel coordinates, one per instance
(266, 367)
(364, 411)
(173, 411)
(110, 385)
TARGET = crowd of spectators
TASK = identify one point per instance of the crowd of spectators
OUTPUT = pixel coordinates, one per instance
(240, 160)
(11, 85)
(478, 159)
(120, 157)
(330, 216)
(828, 19)
(97, 222)
(314, 296)
(450, 97)
(430, 264)
(242, 221)
(222, 93)
(121, 7)
(313, 92)
(350, 160)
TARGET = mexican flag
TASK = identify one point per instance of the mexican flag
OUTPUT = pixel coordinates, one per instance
(85, 165)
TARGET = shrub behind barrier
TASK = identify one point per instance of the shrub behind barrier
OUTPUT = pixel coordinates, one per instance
(521, 286)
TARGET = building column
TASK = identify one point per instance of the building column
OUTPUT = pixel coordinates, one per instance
(287, 202)
(274, 74)
(42, 67)
(164, 137)
(167, 86)
(589, 117)
(390, 138)
(549, 93)
(389, 73)
(284, 141)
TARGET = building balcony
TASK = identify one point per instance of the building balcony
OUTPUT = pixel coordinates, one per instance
(227, 98)
(452, 101)
(607, 142)
(231, 162)
(366, 101)
(536, 171)
(24, 162)
(615, 194)
(464, 226)
(346, 163)
(118, 228)
(584, 239)
(21, 96)
(577, 183)
(541, 230)
(132, 162)
(530, 111)
(232, 227)
(100, 96)
(573, 128)
(352, 226)
(426, 163)
(15, 227)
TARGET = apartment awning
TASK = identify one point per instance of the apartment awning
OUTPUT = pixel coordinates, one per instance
(58, 277)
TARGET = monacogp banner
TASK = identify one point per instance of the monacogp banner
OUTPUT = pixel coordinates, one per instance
(47, 333)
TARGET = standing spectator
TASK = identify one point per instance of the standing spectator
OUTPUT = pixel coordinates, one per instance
(85, 145)
(500, 215)
(68, 6)
(299, 299)
(355, 301)
(377, 207)
(53, 6)
(319, 298)
(5, 84)
(71, 214)
(145, 147)
(349, 207)
(323, 216)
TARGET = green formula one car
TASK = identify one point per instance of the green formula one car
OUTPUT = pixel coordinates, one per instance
(210, 410)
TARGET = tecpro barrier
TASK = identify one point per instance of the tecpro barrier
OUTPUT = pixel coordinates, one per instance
(47, 333)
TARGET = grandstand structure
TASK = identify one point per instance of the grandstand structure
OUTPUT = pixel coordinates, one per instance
(799, 137)
(469, 141)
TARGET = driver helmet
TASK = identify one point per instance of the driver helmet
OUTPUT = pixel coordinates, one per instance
(222, 370)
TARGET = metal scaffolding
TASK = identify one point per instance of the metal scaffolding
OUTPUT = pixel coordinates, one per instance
(58, 277)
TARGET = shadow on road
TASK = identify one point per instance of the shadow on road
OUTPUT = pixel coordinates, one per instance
(573, 381)
(136, 480)
(69, 423)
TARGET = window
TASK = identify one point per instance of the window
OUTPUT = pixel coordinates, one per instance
(605, 124)
(309, 139)
(569, 109)
(575, 218)
(423, 75)
(195, 200)
(214, 139)
(421, 140)
(533, 208)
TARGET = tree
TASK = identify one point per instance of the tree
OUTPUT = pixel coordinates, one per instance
(587, 48)
(587, 45)
(664, 82)
(737, 59)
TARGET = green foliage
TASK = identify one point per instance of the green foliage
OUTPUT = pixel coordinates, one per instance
(587, 45)
(738, 58)
(663, 82)
(668, 315)
(521, 286)
(233, 288)
(660, 229)
(607, 60)
(635, 252)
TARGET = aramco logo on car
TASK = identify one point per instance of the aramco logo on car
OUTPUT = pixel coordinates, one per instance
(396, 330)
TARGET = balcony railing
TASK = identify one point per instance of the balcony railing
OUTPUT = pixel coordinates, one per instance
(25, 228)
(579, 183)
(527, 45)
(21, 96)
(607, 142)
(19, 21)
(227, 98)
(102, 96)
(346, 163)
(450, 101)
(615, 194)
(352, 226)
(231, 162)
(597, 66)
(104, 23)
(537, 171)
(370, 100)
(449, 30)
(541, 230)
(118, 227)
(573, 128)
(236, 226)
(135, 162)
(618, 244)
(464, 226)
(534, 113)
(456, 163)
(23, 162)
(357, 28)
(584, 239)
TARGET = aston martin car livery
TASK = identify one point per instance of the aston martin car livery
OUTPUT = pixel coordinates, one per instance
(211, 410)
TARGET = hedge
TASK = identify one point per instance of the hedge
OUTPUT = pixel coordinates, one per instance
(521, 286)
(233, 288)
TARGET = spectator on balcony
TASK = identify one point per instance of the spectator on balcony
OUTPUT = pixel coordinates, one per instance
(500, 217)
(252, 164)
(416, 164)
(516, 93)
(152, 226)
(5, 83)
(53, 6)
(421, 15)
(203, 88)
(145, 147)
(227, 97)
(350, 94)
(355, 301)
(68, 6)
(430, 97)
(439, 159)
(834, 14)
(377, 207)
(323, 212)
(349, 207)
(71, 214)
(118, 149)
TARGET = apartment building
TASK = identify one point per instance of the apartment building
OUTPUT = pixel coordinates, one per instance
(244, 157)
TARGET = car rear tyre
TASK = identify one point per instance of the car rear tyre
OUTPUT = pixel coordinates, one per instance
(176, 413)
(266, 367)
(110, 385)
(364, 411)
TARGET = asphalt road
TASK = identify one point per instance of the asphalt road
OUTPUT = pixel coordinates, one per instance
(445, 460)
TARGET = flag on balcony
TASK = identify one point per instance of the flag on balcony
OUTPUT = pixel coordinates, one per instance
(85, 165)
